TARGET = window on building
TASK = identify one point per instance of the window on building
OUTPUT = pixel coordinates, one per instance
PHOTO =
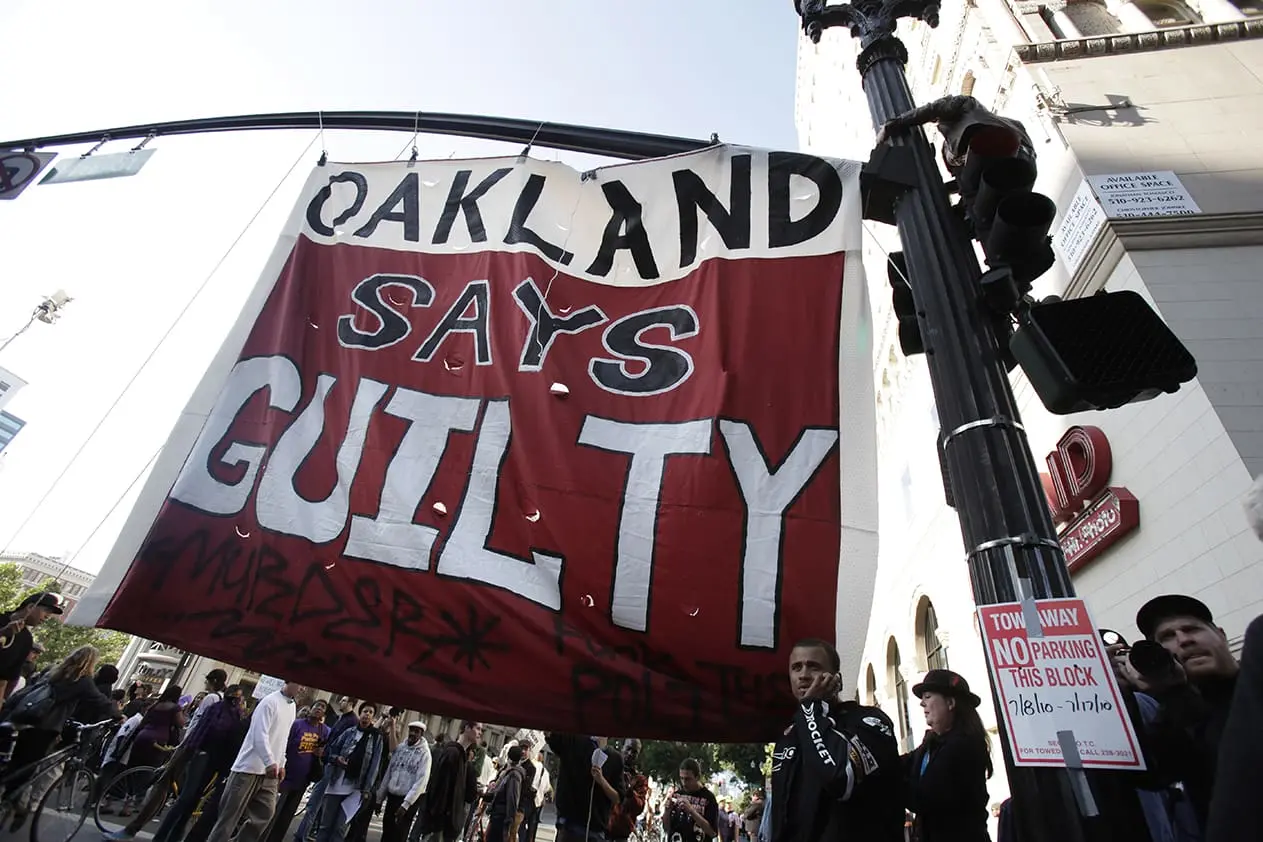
(1091, 18)
(1167, 13)
(933, 653)
(898, 688)
(967, 84)
(870, 687)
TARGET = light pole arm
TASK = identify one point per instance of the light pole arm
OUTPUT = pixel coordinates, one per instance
(612, 143)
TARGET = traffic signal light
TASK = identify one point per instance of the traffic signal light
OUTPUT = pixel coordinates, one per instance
(1009, 220)
(910, 341)
(1099, 352)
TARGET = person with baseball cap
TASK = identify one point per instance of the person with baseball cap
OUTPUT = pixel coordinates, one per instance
(1193, 688)
(946, 776)
(405, 781)
(16, 641)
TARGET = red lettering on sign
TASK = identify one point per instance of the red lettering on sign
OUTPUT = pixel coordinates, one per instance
(1090, 514)
(1079, 469)
(1114, 514)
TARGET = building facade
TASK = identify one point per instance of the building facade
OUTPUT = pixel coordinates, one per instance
(38, 569)
(10, 426)
(1115, 95)
(10, 385)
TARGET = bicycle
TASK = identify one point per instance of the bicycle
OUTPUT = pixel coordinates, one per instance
(132, 785)
(63, 806)
(476, 825)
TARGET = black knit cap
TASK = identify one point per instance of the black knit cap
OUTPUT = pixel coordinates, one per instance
(947, 683)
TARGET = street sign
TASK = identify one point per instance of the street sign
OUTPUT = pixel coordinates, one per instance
(18, 169)
(1058, 695)
(95, 167)
(1079, 226)
(1138, 194)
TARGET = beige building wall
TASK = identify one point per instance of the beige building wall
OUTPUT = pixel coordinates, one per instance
(1187, 457)
(1195, 111)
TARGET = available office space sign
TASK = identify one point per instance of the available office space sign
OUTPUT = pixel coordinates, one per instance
(498, 439)
(1091, 514)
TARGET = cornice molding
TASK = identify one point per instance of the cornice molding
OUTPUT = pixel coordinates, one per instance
(1140, 42)
(1119, 236)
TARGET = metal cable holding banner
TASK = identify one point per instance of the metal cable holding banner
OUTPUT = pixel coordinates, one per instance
(324, 150)
(128, 490)
(527, 150)
(162, 339)
(416, 133)
(885, 253)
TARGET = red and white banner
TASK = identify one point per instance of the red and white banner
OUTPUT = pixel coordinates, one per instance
(499, 439)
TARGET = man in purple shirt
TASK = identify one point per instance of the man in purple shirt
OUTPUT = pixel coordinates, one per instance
(306, 744)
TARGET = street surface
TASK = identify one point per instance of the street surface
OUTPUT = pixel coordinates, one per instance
(90, 833)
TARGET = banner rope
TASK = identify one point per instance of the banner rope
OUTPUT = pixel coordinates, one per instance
(101, 522)
(161, 340)
(881, 249)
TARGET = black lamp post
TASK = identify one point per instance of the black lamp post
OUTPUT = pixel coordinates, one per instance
(1011, 545)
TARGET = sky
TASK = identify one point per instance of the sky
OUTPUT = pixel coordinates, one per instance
(158, 265)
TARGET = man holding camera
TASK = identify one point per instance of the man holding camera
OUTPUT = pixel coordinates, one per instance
(1185, 665)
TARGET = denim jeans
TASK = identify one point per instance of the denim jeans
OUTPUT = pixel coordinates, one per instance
(333, 825)
(307, 827)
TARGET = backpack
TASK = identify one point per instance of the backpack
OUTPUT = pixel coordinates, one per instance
(623, 816)
(530, 772)
(36, 707)
(213, 726)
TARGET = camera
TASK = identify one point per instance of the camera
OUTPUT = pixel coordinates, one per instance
(1152, 660)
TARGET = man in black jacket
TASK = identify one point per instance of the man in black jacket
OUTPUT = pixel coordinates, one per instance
(1194, 693)
(836, 772)
(504, 815)
(1235, 808)
(589, 783)
(442, 815)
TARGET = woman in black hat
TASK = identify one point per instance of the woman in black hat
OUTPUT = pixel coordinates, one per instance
(947, 774)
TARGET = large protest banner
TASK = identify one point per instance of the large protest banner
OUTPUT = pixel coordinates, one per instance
(495, 438)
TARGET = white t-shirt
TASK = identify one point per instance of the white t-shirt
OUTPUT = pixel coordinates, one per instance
(264, 745)
(542, 783)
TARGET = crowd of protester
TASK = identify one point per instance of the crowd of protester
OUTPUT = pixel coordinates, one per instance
(837, 773)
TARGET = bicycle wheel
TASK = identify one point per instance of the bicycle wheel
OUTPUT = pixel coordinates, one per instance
(64, 807)
(121, 796)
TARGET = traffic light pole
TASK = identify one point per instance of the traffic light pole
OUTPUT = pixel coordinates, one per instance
(1011, 545)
